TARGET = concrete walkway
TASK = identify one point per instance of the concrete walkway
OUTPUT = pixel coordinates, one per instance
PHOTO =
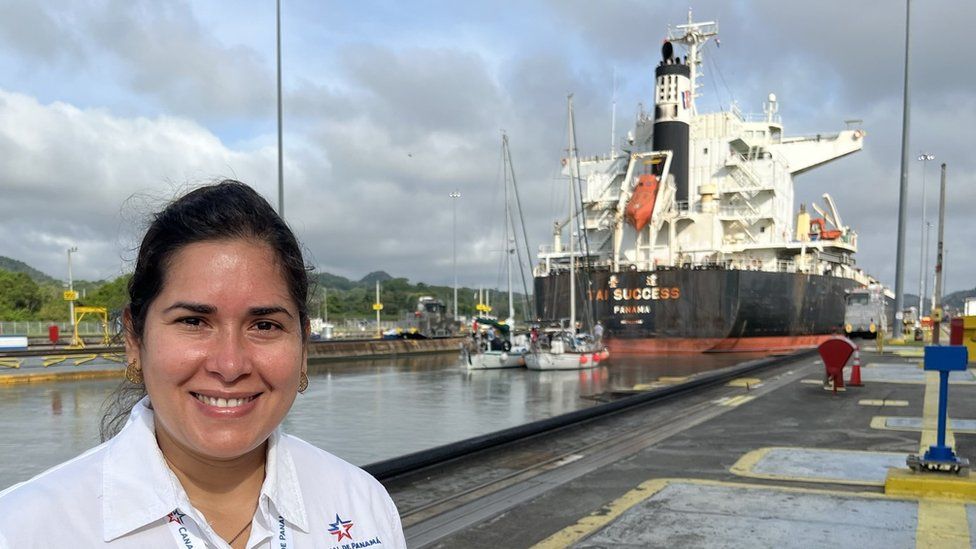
(775, 461)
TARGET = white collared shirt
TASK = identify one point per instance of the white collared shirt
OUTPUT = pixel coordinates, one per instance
(122, 494)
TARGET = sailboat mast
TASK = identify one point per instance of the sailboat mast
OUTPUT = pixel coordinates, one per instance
(572, 220)
(508, 255)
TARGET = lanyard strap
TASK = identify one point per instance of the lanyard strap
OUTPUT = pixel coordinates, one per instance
(186, 536)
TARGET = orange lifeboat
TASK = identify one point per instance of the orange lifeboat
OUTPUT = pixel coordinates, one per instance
(821, 231)
(640, 208)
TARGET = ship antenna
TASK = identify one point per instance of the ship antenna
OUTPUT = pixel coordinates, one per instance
(694, 37)
(613, 114)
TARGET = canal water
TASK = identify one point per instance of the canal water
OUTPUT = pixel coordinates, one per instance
(362, 411)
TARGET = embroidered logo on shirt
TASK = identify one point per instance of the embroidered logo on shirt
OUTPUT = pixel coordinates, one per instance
(340, 528)
(176, 516)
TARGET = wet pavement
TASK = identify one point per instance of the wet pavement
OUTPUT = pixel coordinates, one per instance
(772, 461)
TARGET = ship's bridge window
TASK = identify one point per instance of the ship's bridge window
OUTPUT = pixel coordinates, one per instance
(857, 299)
(705, 150)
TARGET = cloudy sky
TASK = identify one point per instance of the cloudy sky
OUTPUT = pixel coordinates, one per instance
(109, 108)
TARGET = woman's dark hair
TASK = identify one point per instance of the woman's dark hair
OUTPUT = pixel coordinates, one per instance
(222, 211)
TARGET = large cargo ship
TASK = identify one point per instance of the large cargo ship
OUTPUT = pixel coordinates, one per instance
(688, 239)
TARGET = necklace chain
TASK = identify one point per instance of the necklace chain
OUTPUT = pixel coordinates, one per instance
(246, 524)
(233, 539)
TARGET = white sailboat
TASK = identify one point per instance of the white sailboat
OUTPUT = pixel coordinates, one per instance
(503, 351)
(568, 350)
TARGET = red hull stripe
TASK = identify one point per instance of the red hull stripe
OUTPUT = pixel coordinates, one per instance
(705, 344)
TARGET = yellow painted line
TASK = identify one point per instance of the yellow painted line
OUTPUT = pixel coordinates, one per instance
(114, 357)
(747, 382)
(84, 358)
(646, 386)
(602, 516)
(942, 525)
(10, 363)
(672, 379)
(910, 353)
(882, 402)
(52, 360)
(646, 490)
(924, 485)
(59, 376)
(812, 381)
(930, 416)
(880, 422)
(744, 466)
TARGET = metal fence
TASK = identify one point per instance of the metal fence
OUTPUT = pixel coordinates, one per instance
(38, 328)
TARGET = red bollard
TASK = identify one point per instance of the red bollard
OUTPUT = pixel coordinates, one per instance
(856, 369)
(835, 353)
(956, 331)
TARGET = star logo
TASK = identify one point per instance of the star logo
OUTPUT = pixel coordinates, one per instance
(176, 516)
(340, 528)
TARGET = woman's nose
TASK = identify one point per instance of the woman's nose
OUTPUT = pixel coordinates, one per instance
(229, 358)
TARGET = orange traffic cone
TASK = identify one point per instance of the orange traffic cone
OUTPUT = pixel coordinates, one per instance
(856, 369)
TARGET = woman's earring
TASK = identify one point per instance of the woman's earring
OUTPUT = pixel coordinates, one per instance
(303, 382)
(133, 373)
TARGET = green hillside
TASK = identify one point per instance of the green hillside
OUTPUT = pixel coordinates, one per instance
(28, 294)
(14, 266)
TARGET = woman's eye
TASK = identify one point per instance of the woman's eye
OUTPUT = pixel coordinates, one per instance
(190, 321)
(265, 325)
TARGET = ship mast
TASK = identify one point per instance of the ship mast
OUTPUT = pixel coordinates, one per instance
(694, 37)
(572, 219)
(508, 255)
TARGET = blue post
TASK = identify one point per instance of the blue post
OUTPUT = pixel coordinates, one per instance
(943, 406)
(946, 359)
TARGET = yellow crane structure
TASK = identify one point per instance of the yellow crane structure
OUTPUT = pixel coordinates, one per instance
(80, 312)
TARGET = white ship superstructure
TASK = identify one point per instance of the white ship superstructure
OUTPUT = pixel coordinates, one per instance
(726, 197)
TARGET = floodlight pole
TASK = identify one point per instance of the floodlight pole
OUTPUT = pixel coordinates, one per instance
(71, 287)
(903, 190)
(281, 178)
(923, 259)
(937, 297)
(454, 198)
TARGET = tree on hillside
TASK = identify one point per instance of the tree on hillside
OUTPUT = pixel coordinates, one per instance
(20, 297)
(113, 295)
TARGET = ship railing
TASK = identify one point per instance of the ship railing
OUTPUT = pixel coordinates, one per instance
(734, 211)
(782, 265)
(786, 265)
(736, 111)
(760, 117)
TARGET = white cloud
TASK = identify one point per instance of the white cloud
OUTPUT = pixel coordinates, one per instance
(67, 174)
(389, 108)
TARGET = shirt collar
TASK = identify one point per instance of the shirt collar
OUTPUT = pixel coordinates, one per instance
(139, 488)
(281, 486)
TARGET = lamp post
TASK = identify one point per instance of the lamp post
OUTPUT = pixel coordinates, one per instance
(281, 177)
(71, 287)
(454, 198)
(924, 158)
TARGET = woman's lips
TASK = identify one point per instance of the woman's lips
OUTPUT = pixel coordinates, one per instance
(224, 406)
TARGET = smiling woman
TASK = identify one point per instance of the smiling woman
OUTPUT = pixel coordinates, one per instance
(215, 340)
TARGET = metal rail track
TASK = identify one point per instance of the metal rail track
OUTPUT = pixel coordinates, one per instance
(427, 523)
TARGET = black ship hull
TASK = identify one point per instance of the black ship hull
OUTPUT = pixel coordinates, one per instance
(696, 310)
